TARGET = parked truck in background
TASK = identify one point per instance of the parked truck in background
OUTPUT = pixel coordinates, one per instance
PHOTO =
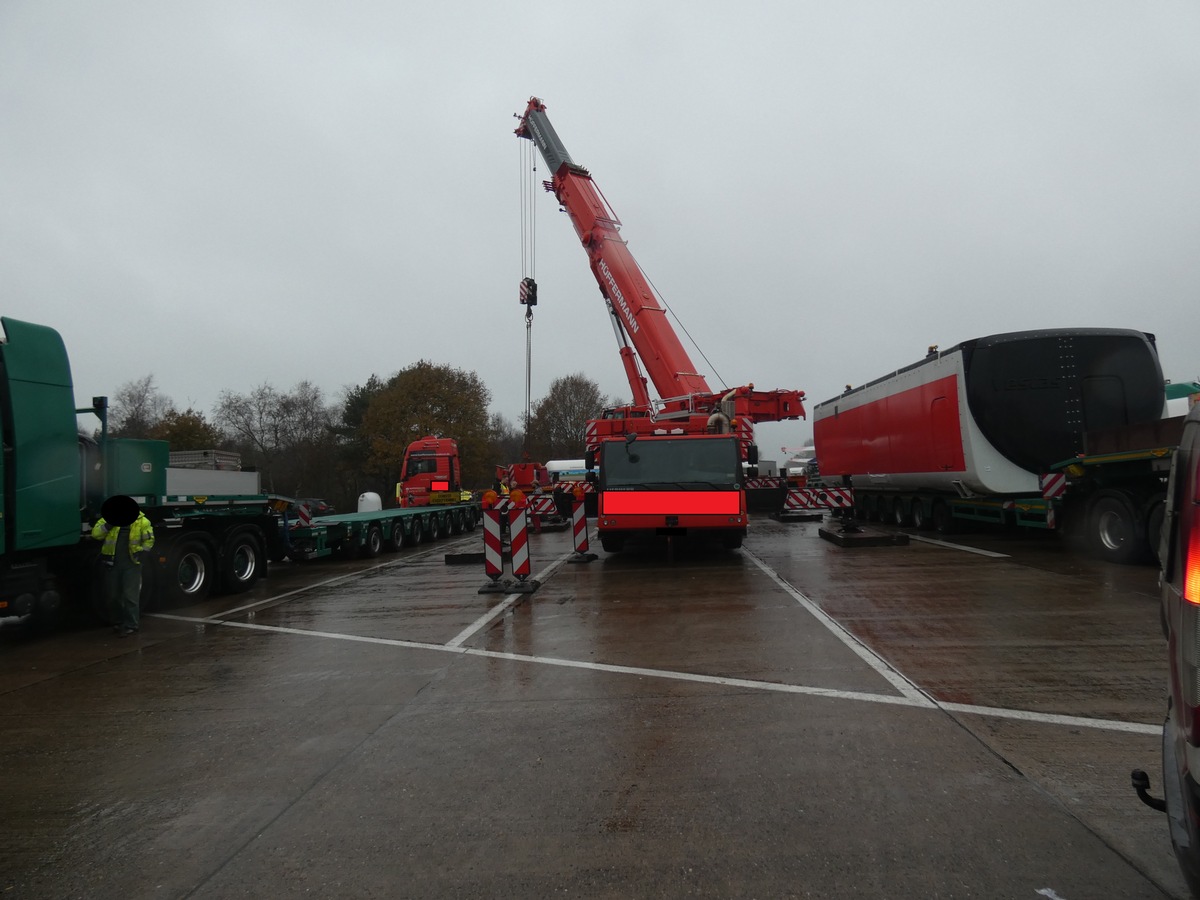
(1054, 429)
(54, 481)
(431, 473)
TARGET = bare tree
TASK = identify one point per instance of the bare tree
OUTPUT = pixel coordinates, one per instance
(288, 436)
(136, 408)
(558, 422)
(254, 421)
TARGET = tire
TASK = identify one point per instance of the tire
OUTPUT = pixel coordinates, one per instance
(373, 545)
(612, 543)
(866, 507)
(471, 519)
(243, 561)
(732, 541)
(456, 522)
(395, 539)
(433, 527)
(418, 532)
(899, 517)
(188, 575)
(1154, 513)
(1114, 530)
(920, 518)
(943, 521)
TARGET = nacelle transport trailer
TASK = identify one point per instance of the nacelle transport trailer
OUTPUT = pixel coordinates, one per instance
(1054, 428)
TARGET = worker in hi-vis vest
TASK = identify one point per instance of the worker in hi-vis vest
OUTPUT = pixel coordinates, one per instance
(128, 536)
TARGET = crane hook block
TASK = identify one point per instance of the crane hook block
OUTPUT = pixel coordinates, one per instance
(528, 292)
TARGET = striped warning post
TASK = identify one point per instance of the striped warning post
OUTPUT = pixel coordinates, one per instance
(493, 556)
(518, 531)
(579, 527)
(303, 516)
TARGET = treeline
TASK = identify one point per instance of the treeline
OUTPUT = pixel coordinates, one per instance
(305, 445)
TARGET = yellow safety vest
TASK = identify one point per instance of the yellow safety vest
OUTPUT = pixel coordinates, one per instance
(141, 537)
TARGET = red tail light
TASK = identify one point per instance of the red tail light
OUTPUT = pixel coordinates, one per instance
(672, 503)
(1189, 528)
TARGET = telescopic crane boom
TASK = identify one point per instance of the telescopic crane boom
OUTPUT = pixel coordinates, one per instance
(642, 330)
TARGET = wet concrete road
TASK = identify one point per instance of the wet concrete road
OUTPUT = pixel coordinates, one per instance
(790, 720)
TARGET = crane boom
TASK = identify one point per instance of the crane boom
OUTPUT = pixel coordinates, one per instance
(694, 448)
(639, 318)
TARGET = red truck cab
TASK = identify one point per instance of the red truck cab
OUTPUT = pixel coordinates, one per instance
(430, 473)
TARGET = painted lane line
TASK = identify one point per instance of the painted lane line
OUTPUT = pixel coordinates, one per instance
(259, 604)
(573, 664)
(501, 608)
(769, 686)
(963, 547)
(1052, 718)
(989, 711)
(881, 666)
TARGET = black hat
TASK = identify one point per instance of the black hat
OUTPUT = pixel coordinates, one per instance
(120, 510)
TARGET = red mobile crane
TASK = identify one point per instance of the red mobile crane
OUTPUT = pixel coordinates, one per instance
(674, 464)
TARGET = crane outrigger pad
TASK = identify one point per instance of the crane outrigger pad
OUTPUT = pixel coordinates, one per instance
(863, 537)
(510, 586)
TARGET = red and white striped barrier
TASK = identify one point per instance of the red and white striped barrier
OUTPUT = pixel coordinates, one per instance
(1054, 485)
(518, 536)
(579, 527)
(493, 555)
(813, 500)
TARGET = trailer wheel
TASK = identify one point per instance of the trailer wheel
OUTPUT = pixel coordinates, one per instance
(373, 545)
(1115, 533)
(920, 518)
(433, 527)
(943, 521)
(864, 503)
(899, 515)
(456, 522)
(395, 538)
(189, 572)
(471, 519)
(1154, 513)
(732, 540)
(242, 562)
(417, 534)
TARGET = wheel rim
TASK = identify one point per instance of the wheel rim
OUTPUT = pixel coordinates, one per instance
(192, 573)
(244, 563)
(1111, 530)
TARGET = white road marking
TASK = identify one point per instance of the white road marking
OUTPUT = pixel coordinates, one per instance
(258, 604)
(894, 678)
(962, 547)
(501, 608)
(910, 695)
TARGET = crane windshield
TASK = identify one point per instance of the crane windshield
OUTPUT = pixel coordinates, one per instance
(682, 463)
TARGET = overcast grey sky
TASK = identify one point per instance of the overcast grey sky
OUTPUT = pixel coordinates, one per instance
(227, 193)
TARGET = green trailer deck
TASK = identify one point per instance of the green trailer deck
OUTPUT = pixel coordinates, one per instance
(366, 534)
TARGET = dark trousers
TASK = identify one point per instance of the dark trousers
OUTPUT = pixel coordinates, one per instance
(123, 591)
